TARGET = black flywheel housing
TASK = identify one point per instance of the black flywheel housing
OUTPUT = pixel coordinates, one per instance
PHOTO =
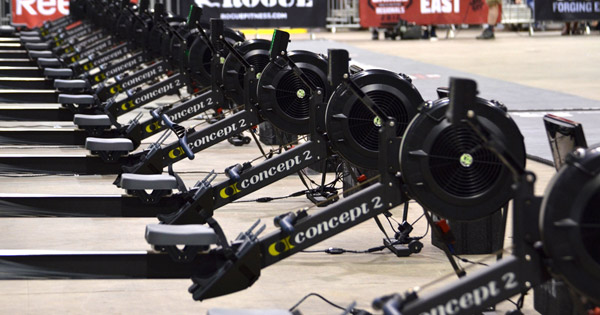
(448, 170)
(200, 56)
(284, 98)
(353, 129)
(256, 52)
(570, 222)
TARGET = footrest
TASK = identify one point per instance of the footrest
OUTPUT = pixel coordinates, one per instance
(84, 120)
(221, 311)
(37, 46)
(193, 235)
(41, 54)
(76, 99)
(111, 144)
(49, 62)
(148, 181)
(70, 84)
(31, 39)
(58, 72)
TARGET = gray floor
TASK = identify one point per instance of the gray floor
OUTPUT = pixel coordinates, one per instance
(344, 278)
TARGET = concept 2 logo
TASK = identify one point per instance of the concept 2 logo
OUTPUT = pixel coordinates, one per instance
(283, 167)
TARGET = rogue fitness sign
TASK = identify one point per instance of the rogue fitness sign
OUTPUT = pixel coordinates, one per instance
(387, 13)
(266, 13)
(566, 10)
(34, 12)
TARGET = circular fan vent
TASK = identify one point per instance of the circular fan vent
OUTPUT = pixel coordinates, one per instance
(364, 125)
(590, 230)
(570, 223)
(256, 52)
(354, 129)
(292, 93)
(447, 169)
(282, 95)
(199, 59)
(461, 165)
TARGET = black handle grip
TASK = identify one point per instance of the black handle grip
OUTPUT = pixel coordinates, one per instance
(286, 222)
(233, 172)
(182, 136)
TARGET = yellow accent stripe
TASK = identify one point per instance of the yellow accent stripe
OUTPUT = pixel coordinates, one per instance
(269, 31)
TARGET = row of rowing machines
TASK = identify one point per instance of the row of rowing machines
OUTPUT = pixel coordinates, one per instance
(374, 119)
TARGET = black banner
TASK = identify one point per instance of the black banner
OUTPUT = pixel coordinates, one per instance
(266, 13)
(567, 10)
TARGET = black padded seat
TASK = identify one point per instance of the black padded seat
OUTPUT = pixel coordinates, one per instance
(71, 84)
(49, 62)
(41, 54)
(9, 30)
(37, 46)
(221, 311)
(108, 144)
(148, 181)
(58, 72)
(76, 99)
(28, 33)
(191, 234)
(31, 39)
(84, 120)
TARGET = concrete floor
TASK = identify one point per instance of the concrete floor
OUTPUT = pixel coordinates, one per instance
(546, 61)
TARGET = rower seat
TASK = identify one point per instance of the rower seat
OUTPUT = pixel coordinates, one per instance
(49, 62)
(221, 311)
(37, 46)
(108, 144)
(71, 84)
(76, 99)
(83, 120)
(189, 235)
(131, 181)
(31, 39)
(58, 72)
(28, 33)
(41, 54)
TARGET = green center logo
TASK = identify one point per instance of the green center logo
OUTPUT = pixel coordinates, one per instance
(377, 121)
(301, 93)
(258, 75)
(222, 60)
(466, 160)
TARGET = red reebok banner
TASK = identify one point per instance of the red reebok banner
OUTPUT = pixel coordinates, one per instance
(385, 13)
(34, 12)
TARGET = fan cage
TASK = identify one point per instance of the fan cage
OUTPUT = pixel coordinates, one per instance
(461, 165)
(590, 227)
(289, 96)
(364, 124)
(258, 61)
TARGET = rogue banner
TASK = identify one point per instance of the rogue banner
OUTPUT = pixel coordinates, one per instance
(386, 13)
(567, 10)
(33, 13)
(266, 13)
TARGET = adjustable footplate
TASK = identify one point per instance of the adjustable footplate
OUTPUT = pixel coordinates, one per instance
(139, 184)
(110, 150)
(236, 268)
